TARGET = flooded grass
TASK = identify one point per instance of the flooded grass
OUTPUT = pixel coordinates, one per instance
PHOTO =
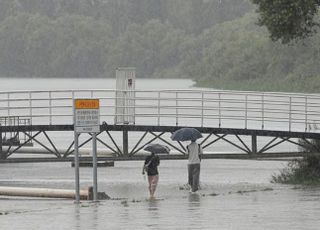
(304, 171)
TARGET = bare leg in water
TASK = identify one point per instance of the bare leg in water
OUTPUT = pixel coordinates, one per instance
(153, 182)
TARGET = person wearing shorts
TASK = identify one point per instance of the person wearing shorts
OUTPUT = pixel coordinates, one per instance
(150, 166)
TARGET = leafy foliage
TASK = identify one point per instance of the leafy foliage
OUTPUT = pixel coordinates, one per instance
(305, 170)
(300, 171)
(81, 38)
(288, 20)
(216, 43)
(309, 146)
(238, 55)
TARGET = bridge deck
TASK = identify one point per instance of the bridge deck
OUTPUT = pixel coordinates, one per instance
(171, 129)
(231, 156)
(199, 108)
(283, 117)
(247, 151)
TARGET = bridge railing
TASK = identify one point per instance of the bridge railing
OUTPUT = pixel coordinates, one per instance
(201, 108)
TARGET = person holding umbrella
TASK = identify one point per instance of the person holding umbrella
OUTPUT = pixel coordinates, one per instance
(151, 164)
(194, 152)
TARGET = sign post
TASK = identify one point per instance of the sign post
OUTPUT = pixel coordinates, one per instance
(87, 115)
(86, 120)
(76, 166)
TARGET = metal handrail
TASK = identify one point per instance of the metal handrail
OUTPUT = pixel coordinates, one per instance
(214, 108)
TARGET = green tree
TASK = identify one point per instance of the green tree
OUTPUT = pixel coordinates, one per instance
(288, 20)
(152, 48)
(239, 55)
(7, 8)
(13, 44)
(81, 46)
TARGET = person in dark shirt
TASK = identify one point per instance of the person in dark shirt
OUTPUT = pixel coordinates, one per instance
(150, 166)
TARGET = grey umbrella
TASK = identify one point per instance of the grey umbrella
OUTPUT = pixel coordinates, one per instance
(157, 148)
(186, 134)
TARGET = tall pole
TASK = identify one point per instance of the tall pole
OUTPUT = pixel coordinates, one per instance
(94, 162)
(2, 155)
(76, 166)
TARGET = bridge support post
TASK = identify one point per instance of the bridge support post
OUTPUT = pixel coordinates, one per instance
(3, 155)
(125, 142)
(0, 144)
(253, 145)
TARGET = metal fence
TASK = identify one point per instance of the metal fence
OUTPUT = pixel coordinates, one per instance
(14, 138)
(199, 108)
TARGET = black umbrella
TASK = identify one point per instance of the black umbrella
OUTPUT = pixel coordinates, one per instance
(157, 148)
(186, 134)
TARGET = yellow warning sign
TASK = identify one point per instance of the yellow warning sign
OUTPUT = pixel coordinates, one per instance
(87, 103)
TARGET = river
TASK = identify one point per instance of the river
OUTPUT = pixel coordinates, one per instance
(235, 194)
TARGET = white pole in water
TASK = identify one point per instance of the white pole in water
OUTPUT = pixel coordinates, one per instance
(94, 162)
(43, 192)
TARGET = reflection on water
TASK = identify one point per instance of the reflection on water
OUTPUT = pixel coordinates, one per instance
(94, 215)
(153, 217)
(194, 200)
(153, 204)
(77, 216)
(194, 210)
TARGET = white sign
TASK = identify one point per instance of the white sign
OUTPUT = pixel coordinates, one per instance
(86, 115)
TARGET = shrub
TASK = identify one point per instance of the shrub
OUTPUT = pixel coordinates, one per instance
(300, 171)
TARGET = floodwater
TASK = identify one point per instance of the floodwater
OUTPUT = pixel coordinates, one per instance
(11, 84)
(235, 194)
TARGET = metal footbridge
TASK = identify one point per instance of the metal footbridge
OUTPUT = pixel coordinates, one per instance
(38, 125)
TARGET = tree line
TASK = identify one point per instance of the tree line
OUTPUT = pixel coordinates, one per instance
(215, 42)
